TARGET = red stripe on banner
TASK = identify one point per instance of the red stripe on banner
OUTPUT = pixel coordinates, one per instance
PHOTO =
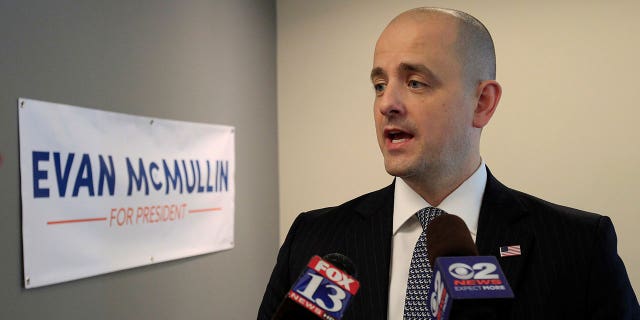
(204, 210)
(76, 220)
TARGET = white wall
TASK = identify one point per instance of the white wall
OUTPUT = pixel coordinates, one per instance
(565, 129)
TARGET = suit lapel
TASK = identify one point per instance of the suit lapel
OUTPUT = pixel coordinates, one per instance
(376, 220)
(502, 222)
(378, 202)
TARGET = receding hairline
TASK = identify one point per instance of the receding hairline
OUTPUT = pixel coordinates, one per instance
(474, 43)
(428, 11)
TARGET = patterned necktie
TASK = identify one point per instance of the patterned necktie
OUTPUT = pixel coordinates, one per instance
(416, 304)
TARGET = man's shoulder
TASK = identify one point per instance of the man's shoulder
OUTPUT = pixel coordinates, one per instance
(332, 229)
(549, 212)
(505, 198)
(509, 215)
(363, 205)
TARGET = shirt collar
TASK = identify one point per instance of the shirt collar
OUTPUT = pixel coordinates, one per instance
(464, 202)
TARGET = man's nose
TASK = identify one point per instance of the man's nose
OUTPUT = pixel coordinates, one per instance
(391, 102)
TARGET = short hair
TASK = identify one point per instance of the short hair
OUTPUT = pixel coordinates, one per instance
(474, 44)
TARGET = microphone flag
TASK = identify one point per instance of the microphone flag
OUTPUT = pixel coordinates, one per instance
(462, 278)
(324, 289)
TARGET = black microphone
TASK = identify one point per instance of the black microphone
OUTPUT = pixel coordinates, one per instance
(464, 285)
(323, 290)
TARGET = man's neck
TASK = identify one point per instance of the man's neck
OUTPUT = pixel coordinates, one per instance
(435, 188)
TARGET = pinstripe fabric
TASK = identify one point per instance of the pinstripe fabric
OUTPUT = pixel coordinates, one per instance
(359, 229)
(569, 267)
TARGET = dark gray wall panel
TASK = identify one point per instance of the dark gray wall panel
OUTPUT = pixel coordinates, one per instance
(203, 61)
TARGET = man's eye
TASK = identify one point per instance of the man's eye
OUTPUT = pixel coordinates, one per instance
(379, 87)
(415, 84)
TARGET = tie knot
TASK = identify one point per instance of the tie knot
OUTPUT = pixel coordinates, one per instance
(425, 215)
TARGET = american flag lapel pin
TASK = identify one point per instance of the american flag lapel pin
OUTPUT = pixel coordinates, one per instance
(509, 251)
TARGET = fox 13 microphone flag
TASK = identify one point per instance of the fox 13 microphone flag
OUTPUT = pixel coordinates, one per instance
(104, 191)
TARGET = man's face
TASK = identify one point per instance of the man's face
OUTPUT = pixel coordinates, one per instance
(422, 110)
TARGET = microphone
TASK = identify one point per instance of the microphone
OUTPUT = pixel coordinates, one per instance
(464, 285)
(323, 290)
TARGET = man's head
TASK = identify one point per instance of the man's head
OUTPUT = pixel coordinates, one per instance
(434, 77)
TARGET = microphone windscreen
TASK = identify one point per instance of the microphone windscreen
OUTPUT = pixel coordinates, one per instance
(342, 262)
(448, 236)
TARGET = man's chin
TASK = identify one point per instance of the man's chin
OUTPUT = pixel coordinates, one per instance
(397, 170)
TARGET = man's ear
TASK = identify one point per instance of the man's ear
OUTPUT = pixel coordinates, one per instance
(488, 93)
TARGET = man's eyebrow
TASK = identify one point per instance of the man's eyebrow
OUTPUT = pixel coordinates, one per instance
(421, 69)
(377, 72)
(406, 67)
(418, 68)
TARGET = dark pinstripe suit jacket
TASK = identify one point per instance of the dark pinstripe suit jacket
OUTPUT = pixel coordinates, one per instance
(569, 267)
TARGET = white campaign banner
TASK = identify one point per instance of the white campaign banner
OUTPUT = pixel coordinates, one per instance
(104, 191)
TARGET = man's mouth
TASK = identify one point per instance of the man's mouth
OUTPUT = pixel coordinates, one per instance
(397, 136)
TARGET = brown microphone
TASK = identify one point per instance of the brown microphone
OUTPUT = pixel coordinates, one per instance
(448, 236)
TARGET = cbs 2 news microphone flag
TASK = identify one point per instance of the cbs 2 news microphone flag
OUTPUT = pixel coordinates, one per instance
(465, 278)
(104, 191)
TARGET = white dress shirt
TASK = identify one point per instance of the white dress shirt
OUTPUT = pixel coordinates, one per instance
(464, 202)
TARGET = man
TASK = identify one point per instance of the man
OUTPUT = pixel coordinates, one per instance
(434, 79)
